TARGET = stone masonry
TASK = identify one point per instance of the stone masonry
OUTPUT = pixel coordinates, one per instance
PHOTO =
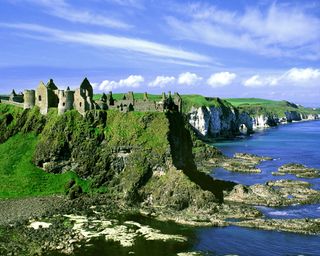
(48, 96)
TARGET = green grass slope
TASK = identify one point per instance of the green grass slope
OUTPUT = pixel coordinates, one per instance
(28, 137)
(250, 101)
(19, 177)
(130, 156)
(256, 106)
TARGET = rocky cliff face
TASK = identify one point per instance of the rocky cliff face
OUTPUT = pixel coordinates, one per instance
(224, 121)
(218, 121)
(264, 121)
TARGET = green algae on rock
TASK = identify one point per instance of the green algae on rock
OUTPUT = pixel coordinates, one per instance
(299, 170)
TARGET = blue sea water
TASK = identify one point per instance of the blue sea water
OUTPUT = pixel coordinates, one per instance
(247, 242)
(292, 143)
(297, 142)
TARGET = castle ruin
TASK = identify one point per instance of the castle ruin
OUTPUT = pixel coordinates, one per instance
(48, 96)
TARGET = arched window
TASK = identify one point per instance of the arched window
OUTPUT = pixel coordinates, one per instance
(80, 104)
(39, 97)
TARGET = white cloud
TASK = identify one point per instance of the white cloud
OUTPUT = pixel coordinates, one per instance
(188, 78)
(284, 31)
(302, 75)
(133, 81)
(63, 10)
(162, 81)
(221, 79)
(305, 77)
(254, 81)
(111, 41)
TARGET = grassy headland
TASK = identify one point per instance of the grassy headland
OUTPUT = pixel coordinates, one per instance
(105, 151)
(256, 106)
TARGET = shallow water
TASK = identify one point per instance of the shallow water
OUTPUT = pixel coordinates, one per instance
(292, 212)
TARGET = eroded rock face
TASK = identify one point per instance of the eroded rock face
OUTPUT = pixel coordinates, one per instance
(223, 120)
(264, 121)
(199, 118)
(216, 121)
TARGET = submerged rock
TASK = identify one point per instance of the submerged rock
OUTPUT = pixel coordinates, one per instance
(303, 226)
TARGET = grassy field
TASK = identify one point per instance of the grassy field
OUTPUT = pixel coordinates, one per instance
(256, 106)
(19, 177)
(250, 101)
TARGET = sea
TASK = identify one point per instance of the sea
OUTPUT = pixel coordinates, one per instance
(292, 143)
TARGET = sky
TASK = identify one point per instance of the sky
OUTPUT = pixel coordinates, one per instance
(217, 48)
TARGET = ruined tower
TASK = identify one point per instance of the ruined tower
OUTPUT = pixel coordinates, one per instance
(102, 103)
(177, 101)
(29, 99)
(66, 100)
(47, 96)
(14, 97)
(84, 97)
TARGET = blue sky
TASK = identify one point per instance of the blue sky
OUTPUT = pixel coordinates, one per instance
(268, 49)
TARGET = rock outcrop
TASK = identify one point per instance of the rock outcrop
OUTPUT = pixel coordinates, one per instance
(265, 121)
(218, 121)
(224, 120)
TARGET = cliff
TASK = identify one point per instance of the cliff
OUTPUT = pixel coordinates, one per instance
(214, 117)
(267, 113)
(140, 158)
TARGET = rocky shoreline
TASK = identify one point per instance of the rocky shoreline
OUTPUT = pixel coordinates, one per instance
(57, 224)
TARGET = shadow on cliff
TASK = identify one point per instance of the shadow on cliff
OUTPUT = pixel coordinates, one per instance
(181, 149)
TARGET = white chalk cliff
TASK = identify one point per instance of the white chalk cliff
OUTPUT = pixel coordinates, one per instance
(217, 121)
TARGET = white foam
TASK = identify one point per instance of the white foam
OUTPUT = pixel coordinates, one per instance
(279, 213)
(38, 224)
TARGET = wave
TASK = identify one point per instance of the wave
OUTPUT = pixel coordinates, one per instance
(279, 213)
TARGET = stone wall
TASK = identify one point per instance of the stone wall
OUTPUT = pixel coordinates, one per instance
(49, 96)
(18, 104)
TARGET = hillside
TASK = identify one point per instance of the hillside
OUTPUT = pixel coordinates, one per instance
(132, 156)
